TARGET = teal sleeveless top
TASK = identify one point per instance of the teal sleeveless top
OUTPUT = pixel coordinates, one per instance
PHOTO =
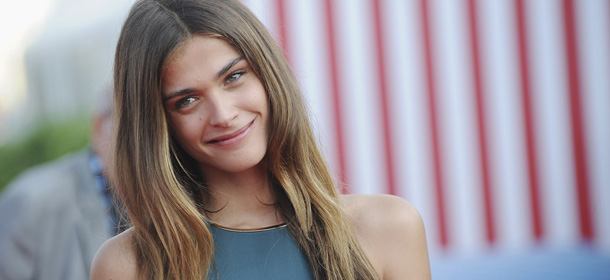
(269, 254)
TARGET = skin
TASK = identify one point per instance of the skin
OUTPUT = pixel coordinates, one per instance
(391, 232)
(217, 110)
(210, 95)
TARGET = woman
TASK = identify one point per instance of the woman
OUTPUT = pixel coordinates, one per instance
(218, 167)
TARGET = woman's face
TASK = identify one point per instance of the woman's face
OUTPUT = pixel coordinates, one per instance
(216, 106)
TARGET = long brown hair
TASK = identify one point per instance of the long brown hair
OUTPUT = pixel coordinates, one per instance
(158, 182)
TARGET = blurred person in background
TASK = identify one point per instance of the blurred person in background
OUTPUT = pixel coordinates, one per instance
(55, 216)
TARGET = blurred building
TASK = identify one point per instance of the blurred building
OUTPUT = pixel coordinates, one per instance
(68, 62)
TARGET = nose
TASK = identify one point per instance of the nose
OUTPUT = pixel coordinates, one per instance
(223, 111)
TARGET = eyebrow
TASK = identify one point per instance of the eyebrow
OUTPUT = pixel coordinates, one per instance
(220, 73)
(177, 93)
(225, 69)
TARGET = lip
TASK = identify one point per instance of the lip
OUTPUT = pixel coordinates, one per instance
(231, 138)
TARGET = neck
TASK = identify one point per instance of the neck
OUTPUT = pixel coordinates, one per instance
(244, 200)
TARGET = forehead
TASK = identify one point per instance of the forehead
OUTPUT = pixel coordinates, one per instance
(201, 47)
(200, 56)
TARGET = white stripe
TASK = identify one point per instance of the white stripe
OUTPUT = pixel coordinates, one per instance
(594, 31)
(361, 116)
(457, 119)
(552, 121)
(507, 149)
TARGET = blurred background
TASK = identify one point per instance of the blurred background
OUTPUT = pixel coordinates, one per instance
(492, 117)
(55, 61)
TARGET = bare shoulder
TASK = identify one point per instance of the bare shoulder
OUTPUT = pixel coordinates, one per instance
(116, 258)
(381, 215)
(391, 231)
(378, 206)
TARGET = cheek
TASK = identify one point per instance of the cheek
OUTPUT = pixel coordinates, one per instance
(178, 129)
(259, 97)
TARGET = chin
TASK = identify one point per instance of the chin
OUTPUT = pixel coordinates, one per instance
(238, 166)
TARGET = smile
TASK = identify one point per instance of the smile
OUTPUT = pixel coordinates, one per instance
(231, 138)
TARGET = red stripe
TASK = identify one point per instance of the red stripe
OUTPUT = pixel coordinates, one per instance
(383, 94)
(578, 134)
(282, 27)
(434, 128)
(530, 139)
(336, 91)
(480, 103)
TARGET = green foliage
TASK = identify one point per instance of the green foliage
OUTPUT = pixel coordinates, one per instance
(47, 141)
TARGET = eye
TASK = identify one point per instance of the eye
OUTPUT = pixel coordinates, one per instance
(184, 102)
(234, 76)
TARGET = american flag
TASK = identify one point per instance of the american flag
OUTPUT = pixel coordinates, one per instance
(492, 117)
